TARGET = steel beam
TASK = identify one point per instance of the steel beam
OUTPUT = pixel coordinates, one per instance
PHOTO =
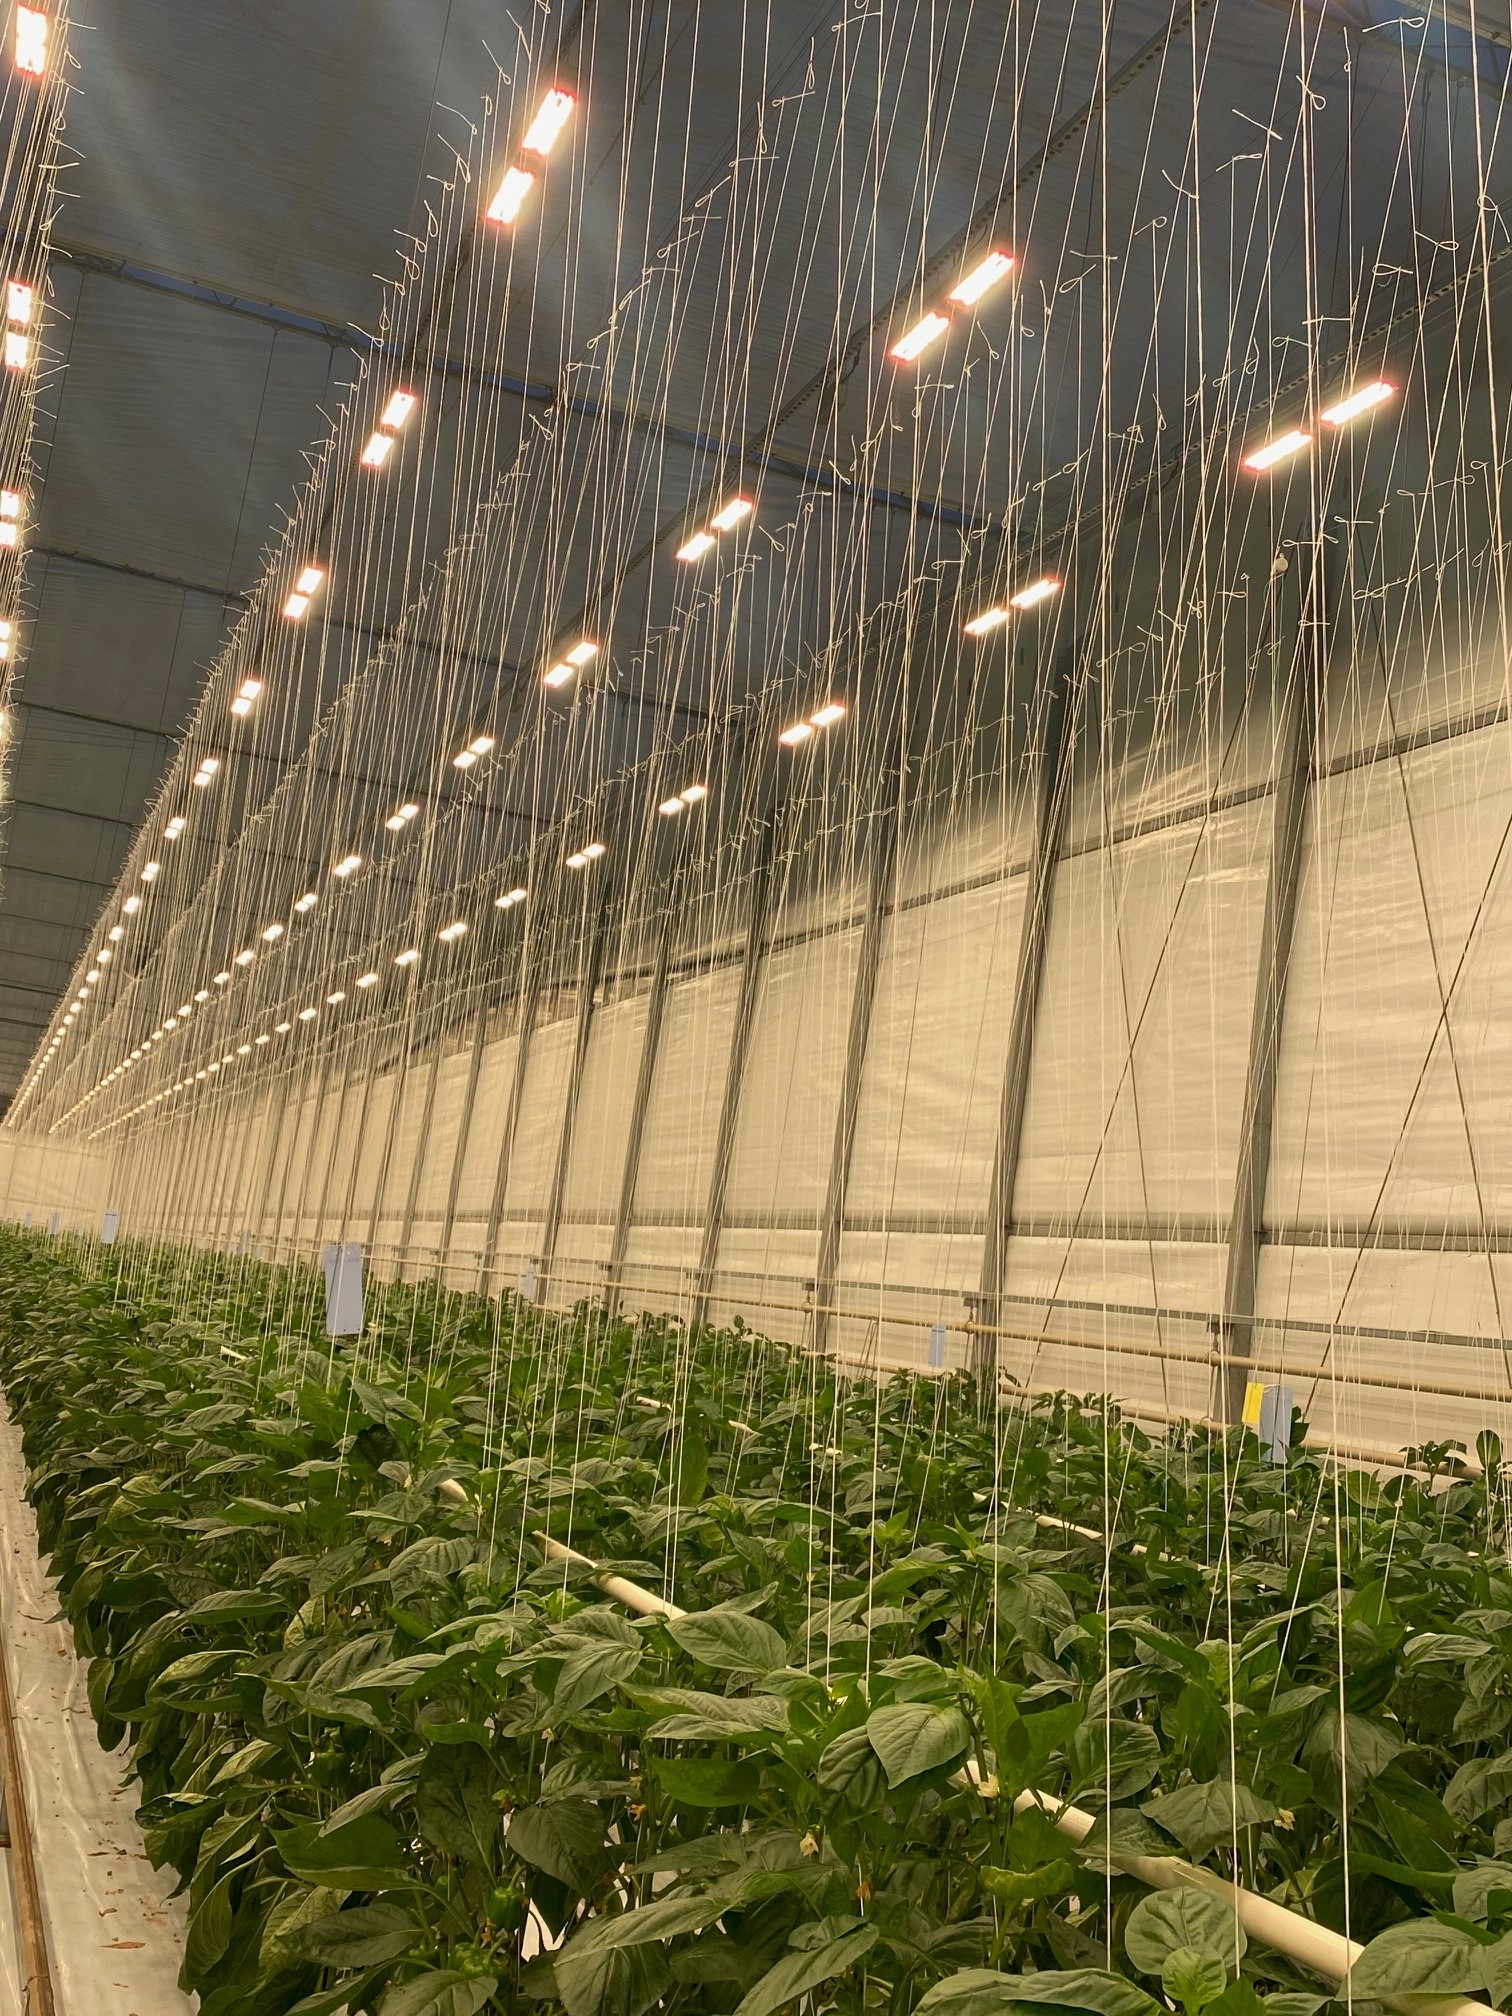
(645, 1074)
(863, 999)
(753, 958)
(1297, 623)
(592, 973)
(1051, 798)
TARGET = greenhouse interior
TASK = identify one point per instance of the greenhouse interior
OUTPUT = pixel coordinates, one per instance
(755, 881)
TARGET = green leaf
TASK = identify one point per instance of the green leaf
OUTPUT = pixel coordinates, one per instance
(1021, 1886)
(707, 1781)
(564, 1837)
(1117, 1757)
(1121, 1832)
(978, 1991)
(1478, 1890)
(1424, 1957)
(718, 1718)
(454, 1804)
(365, 1854)
(796, 1973)
(912, 1737)
(590, 1672)
(1202, 1816)
(729, 1640)
(1478, 1786)
(442, 1992)
(1192, 1978)
(367, 1935)
(209, 1931)
(1160, 1925)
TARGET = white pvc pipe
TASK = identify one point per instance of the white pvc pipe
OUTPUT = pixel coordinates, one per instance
(631, 1594)
(1299, 1938)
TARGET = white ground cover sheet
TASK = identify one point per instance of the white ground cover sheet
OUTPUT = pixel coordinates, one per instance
(115, 1936)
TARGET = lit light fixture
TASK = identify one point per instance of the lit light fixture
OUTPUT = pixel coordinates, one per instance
(335, 1000)
(31, 41)
(800, 731)
(244, 1049)
(510, 194)
(984, 275)
(577, 860)
(1277, 451)
(104, 955)
(407, 957)
(397, 411)
(670, 807)
(1037, 591)
(731, 514)
(185, 1008)
(151, 871)
(347, 865)
(479, 746)
(367, 979)
(272, 933)
(581, 652)
(693, 794)
(558, 675)
(1355, 403)
(376, 453)
(509, 899)
(17, 350)
(220, 979)
(261, 1039)
(696, 547)
(92, 975)
(826, 716)
(304, 589)
(175, 826)
(594, 849)
(7, 633)
(20, 302)
(308, 1014)
(245, 957)
(246, 694)
(132, 905)
(306, 902)
(990, 619)
(545, 129)
(282, 1028)
(202, 995)
(10, 506)
(450, 933)
(917, 340)
(394, 823)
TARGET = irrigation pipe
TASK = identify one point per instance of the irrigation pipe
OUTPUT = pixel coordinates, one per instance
(1300, 1939)
(631, 1594)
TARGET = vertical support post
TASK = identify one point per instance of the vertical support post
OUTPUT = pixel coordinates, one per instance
(529, 1000)
(629, 1175)
(464, 1132)
(1299, 657)
(417, 1161)
(593, 967)
(863, 999)
(1052, 797)
(752, 960)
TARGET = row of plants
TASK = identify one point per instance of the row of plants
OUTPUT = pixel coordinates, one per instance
(403, 1763)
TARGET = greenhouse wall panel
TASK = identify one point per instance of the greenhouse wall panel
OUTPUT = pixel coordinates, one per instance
(687, 1091)
(601, 1125)
(538, 1131)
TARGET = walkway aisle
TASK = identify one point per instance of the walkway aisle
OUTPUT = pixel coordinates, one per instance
(116, 1938)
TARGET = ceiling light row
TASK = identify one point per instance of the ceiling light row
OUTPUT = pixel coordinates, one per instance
(967, 292)
(541, 136)
(1026, 598)
(1360, 400)
(725, 519)
(568, 666)
(823, 717)
(381, 441)
(303, 592)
